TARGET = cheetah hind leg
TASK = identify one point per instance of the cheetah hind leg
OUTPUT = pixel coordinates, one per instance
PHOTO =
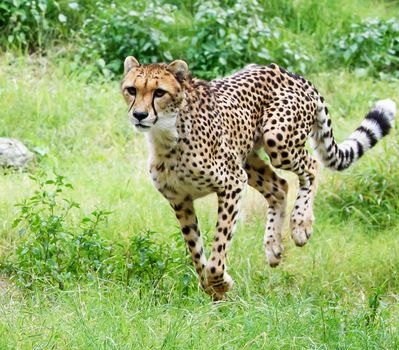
(263, 178)
(302, 214)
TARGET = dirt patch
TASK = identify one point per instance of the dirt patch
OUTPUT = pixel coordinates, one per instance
(5, 284)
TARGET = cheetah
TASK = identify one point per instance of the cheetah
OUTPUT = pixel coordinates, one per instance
(205, 137)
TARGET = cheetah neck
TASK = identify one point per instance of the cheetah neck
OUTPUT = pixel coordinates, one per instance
(164, 140)
(161, 142)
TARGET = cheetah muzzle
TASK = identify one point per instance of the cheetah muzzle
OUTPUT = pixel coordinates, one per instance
(205, 137)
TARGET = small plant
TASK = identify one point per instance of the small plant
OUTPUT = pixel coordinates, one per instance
(145, 260)
(373, 313)
(33, 24)
(51, 249)
(154, 264)
(372, 43)
(113, 32)
(228, 36)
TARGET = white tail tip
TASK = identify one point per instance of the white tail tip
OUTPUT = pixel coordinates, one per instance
(387, 107)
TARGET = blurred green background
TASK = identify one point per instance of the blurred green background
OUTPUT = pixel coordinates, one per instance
(216, 37)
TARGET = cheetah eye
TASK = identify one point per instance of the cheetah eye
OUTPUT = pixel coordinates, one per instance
(159, 93)
(131, 90)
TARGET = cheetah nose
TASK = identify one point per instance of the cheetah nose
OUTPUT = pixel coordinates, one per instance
(140, 115)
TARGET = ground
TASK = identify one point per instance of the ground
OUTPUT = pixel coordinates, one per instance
(339, 291)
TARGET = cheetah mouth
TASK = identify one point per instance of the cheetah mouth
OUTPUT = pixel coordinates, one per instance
(140, 126)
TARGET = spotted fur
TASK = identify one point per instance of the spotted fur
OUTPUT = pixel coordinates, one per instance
(204, 137)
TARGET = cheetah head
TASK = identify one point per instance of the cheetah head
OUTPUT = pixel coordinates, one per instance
(153, 92)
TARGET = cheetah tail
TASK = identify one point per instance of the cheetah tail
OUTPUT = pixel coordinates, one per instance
(374, 127)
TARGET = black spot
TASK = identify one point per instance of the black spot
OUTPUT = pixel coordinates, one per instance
(178, 207)
(261, 171)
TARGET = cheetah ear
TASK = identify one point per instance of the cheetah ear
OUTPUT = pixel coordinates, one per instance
(179, 69)
(130, 63)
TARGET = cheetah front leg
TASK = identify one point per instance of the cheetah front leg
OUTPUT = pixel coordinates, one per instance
(218, 281)
(185, 213)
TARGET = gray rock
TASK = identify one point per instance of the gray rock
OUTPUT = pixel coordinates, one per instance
(14, 154)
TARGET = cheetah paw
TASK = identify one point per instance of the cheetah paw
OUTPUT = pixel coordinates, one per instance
(217, 288)
(273, 251)
(301, 231)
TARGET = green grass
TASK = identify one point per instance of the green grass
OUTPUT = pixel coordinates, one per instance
(338, 292)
